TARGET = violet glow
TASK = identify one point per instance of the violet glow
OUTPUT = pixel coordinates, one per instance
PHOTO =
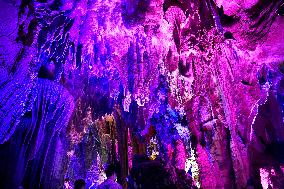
(84, 83)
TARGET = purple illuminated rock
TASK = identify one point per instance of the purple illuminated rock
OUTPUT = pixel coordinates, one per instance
(222, 63)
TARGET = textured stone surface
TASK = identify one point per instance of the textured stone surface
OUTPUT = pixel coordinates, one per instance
(200, 75)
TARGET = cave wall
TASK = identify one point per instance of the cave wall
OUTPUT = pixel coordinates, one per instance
(207, 73)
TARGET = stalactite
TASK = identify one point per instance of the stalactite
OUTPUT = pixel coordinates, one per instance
(203, 79)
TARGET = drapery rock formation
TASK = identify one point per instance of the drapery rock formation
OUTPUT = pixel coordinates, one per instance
(202, 77)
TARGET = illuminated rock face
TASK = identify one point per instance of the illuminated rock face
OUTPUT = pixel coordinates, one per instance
(211, 69)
